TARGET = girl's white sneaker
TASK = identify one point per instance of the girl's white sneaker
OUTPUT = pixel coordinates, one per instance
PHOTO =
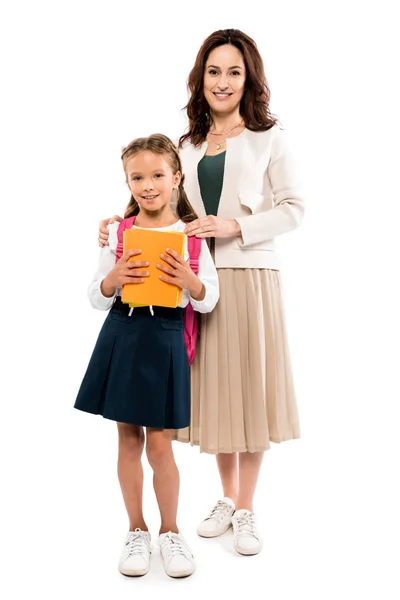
(177, 557)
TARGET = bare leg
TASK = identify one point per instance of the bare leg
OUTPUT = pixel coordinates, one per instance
(228, 471)
(249, 469)
(166, 476)
(130, 472)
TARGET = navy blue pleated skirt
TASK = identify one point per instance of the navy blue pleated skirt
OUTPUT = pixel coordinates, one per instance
(139, 369)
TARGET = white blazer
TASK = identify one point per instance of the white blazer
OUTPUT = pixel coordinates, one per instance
(260, 190)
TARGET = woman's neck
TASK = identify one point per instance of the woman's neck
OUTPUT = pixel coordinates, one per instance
(224, 122)
(155, 219)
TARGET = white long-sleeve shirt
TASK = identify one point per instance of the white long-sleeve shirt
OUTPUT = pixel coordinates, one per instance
(207, 274)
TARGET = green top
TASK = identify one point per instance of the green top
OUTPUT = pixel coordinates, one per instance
(210, 172)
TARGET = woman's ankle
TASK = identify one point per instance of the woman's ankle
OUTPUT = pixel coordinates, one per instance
(231, 495)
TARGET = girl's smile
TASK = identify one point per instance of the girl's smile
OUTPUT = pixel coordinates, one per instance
(150, 198)
(151, 181)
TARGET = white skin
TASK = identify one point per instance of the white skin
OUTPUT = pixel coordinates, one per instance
(151, 182)
(131, 442)
(224, 86)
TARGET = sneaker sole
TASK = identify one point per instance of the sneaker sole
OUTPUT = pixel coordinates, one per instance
(211, 534)
(181, 574)
(248, 552)
(138, 573)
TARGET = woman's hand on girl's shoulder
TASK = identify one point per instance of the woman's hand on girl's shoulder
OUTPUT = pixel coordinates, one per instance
(213, 226)
(103, 231)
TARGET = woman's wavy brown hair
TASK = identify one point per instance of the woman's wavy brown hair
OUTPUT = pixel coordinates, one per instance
(160, 144)
(254, 106)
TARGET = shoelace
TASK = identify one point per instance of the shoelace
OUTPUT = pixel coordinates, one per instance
(219, 511)
(174, 546)
(135, 542)
(246, 524)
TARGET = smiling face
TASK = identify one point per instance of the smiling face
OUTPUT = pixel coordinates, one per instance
(151, 180)
(224, 79)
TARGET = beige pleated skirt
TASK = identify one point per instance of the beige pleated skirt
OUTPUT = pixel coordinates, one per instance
(243, 396)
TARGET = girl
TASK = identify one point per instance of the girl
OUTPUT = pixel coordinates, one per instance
(138, 374)
(242, 182)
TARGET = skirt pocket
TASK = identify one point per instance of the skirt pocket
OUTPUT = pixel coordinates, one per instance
(174, 324)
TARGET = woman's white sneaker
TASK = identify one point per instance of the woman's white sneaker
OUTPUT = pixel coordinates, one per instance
(135, 557)
(219, 519)
(177, 557)
(246, 537)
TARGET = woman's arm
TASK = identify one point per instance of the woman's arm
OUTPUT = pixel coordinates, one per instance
(285, 215)
(288, 210)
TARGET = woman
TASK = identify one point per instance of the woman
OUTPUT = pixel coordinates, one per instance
(241, 181)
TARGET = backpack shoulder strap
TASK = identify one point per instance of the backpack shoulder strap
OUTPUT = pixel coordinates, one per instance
(191, 319)
(124, 224)
(194, 249)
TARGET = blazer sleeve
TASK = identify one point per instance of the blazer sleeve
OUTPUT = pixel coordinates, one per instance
(288, 204)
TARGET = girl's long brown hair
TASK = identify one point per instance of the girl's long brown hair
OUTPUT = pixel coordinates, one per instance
(160, 144)
(254, 106)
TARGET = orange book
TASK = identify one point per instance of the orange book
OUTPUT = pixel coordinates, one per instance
(152, 243)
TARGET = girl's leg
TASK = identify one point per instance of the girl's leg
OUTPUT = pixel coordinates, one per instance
(228, 472)
(166, 476)
(249, 469)
(130, 472)
(176, 555)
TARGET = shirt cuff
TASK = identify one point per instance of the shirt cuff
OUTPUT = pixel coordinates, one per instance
(102, 302)
(201, 306)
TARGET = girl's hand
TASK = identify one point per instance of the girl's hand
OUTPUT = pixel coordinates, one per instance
(181, 274)
(103, 231)
(124, 272)
(212, 226)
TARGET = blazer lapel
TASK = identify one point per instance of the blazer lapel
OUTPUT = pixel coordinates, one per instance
(233, 174)
(191, 157)
(235, 158)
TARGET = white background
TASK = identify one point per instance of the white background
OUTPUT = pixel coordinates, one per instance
(81, 79)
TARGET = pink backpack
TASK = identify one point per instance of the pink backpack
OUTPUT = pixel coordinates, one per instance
(190, 317)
